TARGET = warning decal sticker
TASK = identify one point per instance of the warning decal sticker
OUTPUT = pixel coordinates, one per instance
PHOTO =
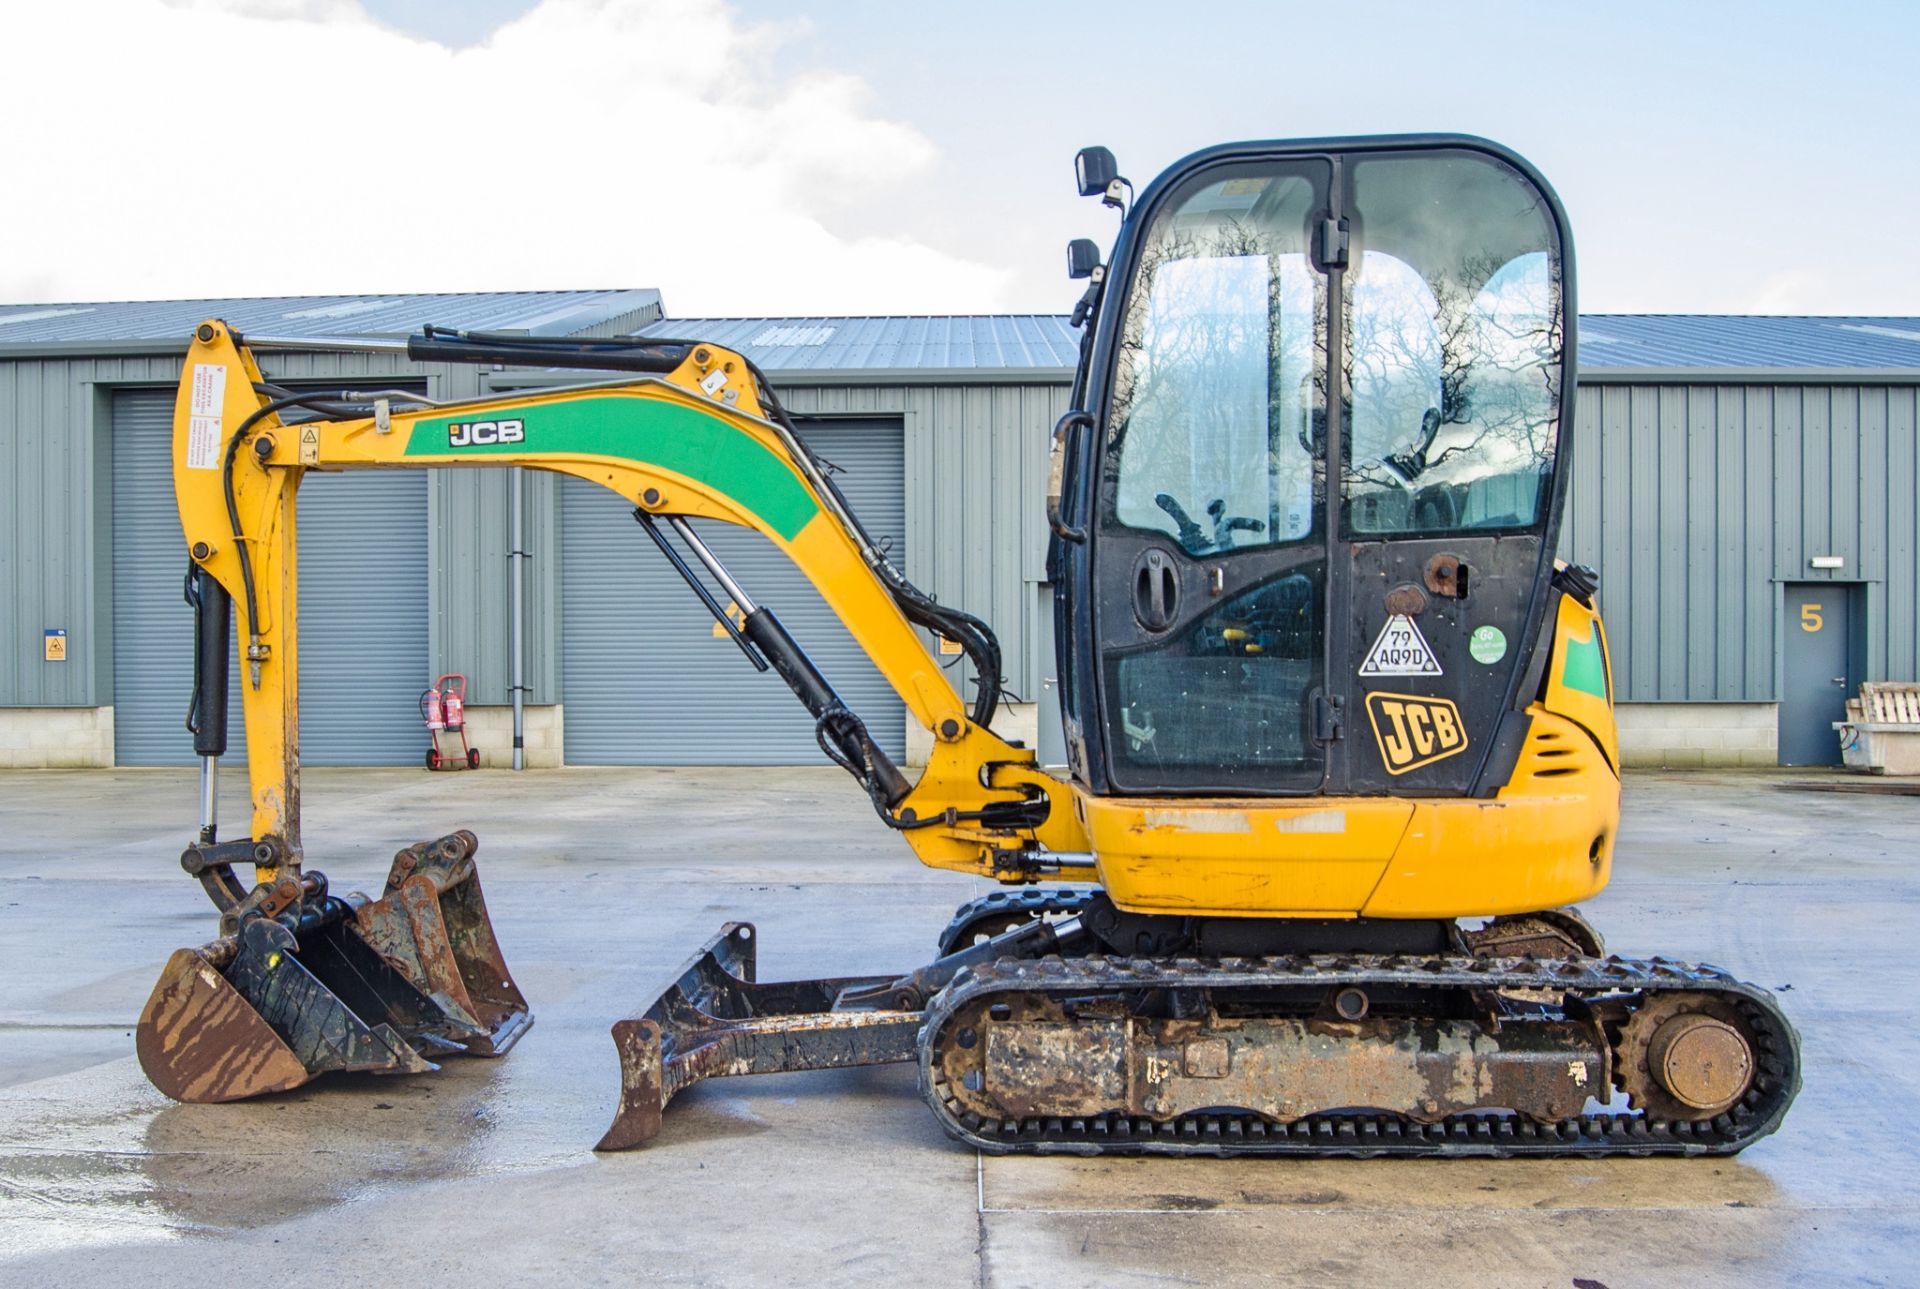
(204, 407)
(203, 443)
(209, 387)
(1400, 650)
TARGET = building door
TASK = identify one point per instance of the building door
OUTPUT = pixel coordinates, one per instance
(651, 679)
(1817, 672)
(363, 608)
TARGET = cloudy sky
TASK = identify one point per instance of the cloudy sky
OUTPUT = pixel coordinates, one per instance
(861, 156)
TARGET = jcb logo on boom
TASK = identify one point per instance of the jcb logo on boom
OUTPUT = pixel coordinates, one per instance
(1414, 731)
(477, 434)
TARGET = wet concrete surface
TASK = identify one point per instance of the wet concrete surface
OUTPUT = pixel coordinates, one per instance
(601, 882)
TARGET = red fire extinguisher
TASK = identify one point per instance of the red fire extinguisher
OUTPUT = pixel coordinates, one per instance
(443, 705)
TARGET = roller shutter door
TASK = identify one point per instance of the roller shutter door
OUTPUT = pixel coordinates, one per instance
(647, 682)
(363, 608)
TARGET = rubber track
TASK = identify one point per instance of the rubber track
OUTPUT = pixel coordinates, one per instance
(1033, 901)
(1358, 1134)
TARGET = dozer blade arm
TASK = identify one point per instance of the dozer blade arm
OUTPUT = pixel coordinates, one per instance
(714, 1020)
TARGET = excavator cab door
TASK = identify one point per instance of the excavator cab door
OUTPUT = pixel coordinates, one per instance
(1327, 394)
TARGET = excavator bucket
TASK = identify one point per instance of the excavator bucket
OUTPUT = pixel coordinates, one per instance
(383, 986)
(432, 924)
(714, 1019)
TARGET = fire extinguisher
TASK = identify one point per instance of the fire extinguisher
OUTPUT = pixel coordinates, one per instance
(443, 706)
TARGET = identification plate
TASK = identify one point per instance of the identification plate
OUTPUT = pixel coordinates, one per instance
(1400, 650)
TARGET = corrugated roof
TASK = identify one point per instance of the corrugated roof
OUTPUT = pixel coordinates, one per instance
(964, 343)
(541, 313)
(954, 344)
(1679, 341)
(1040, 342)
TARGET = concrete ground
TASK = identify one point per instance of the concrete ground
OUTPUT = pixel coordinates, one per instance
(602, 881)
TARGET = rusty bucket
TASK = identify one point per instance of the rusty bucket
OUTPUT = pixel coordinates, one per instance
(432, 924)
(331, 984)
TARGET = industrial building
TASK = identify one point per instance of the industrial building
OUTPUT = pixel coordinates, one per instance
(1746, 487)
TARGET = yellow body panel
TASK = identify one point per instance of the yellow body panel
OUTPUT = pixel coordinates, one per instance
(1544, 840)
(1238, 858)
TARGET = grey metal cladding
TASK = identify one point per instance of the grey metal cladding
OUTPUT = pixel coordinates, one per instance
(470, 625)
(652, 681)
(56, 529)
(363, 624)
(1691, 496)
(975, 474)
(1696, 501)
(1608, 342)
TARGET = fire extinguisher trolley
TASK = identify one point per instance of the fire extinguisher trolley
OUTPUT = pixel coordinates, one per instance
(443, 705)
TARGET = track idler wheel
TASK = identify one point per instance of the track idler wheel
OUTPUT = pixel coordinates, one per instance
(1686, 1057)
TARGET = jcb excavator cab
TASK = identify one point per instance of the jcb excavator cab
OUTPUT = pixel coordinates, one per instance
(1307, 538)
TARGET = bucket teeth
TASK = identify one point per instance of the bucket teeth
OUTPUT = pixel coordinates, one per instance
(339, 985)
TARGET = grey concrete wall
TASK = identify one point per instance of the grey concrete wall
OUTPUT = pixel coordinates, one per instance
(1698, 734)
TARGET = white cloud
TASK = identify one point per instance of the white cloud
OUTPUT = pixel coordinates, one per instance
(265, 147)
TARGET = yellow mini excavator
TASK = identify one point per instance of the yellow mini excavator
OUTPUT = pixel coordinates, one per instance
(1339, 726)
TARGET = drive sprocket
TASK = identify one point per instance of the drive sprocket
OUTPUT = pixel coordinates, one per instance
(1684, 1056)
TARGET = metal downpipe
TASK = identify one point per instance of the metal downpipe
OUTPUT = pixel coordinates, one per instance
(517, 608)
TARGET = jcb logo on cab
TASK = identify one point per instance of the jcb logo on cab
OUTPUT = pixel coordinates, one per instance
(1414, 731)
(474, 434)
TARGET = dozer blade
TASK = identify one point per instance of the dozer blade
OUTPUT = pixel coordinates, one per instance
(431, 922)
(715, 1020)
(338, 985)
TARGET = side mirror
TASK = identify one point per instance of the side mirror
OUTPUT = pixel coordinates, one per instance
(1094, 169)
(1083, 258)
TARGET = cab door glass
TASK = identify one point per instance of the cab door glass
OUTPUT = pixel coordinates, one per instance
(1454, 347)
(1210, 437)
(1213, 486)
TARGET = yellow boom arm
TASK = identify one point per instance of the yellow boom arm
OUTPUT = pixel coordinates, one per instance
(693, 442)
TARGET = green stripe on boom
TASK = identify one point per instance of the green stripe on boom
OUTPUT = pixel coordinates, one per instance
(648, 432)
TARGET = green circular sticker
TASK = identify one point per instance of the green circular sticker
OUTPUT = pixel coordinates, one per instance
(1487, 644)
